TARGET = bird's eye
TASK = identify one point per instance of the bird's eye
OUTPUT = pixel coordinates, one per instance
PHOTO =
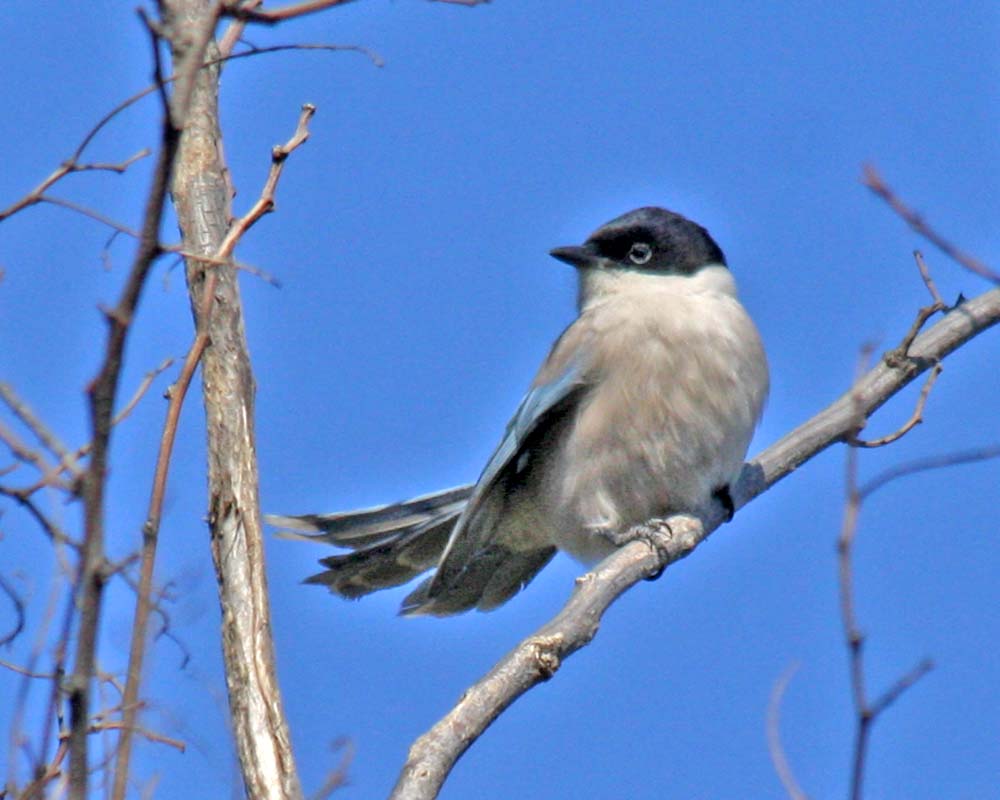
(640, 253)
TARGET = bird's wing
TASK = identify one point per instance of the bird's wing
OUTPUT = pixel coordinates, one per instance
(491, 553)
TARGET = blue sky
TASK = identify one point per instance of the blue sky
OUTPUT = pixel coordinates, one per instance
(411, 238)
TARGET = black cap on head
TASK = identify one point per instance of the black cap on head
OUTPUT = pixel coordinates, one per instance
(649, 238)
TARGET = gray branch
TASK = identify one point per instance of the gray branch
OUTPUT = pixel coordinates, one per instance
(202, 199)
(537, 658)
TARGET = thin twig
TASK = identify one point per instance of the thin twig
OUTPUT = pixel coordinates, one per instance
(925, 274)
(150, 536)
(242, 266)
(338, 776)
(71, 166)
(892, 694)
(34, 423)
(865, 712)
(142, 388)
(274, 15)
(898, 357)
(235, 30)
(115, 725)
(128, 408)
(874, 181)
(915, 418)
(49, 773)
(928, 463)
(852, 634)
(22, 452)
(52, 530)
(18, 604)
(27, 673)
(97, 216)
(778, 756)
(372, 56)
(265, 202)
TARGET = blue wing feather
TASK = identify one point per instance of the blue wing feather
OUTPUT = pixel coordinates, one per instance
(533, 410)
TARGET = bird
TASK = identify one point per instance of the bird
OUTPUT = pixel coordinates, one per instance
(644, 407)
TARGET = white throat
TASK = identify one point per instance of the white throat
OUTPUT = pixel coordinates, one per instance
(600, 285)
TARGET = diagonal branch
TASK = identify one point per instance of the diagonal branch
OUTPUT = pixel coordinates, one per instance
(874, 181)
(537, 658)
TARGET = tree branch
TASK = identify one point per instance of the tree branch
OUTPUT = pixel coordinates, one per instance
(874, 181)
(866, 713)
(774, 746)
(150, 537)
(538, 657)
(101, 395)
(201, 198)
(271, 16)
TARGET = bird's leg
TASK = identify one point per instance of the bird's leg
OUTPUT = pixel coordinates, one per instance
(723, 496)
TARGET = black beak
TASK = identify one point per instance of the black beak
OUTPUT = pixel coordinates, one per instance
(576, 256)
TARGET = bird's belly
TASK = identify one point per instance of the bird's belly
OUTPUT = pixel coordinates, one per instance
(645, 449)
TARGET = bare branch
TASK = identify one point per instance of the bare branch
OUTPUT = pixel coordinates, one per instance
(372, 56)
(774, 746)
(338, 776)
(265, 203)
(142, 388)
(235, 29)
(37, 194)
(15, 600)
(89, 212)
(915, 418)
(892, 694)
(537, 657)
(925, 274)
(150, 537)
(115, 725)
(22, 452)
(27, 673)
(53, 531)
(102, 393)
(34, 423)
(874, 181)
(274, 15)
(865, 713)
(242, 266)
(929, 463)
(201, 196)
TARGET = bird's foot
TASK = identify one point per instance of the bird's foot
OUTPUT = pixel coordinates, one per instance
(656, 533)
(671, 539)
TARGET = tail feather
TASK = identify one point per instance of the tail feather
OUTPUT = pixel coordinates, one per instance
(392, 544)
(384, 565)
(372, 526)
